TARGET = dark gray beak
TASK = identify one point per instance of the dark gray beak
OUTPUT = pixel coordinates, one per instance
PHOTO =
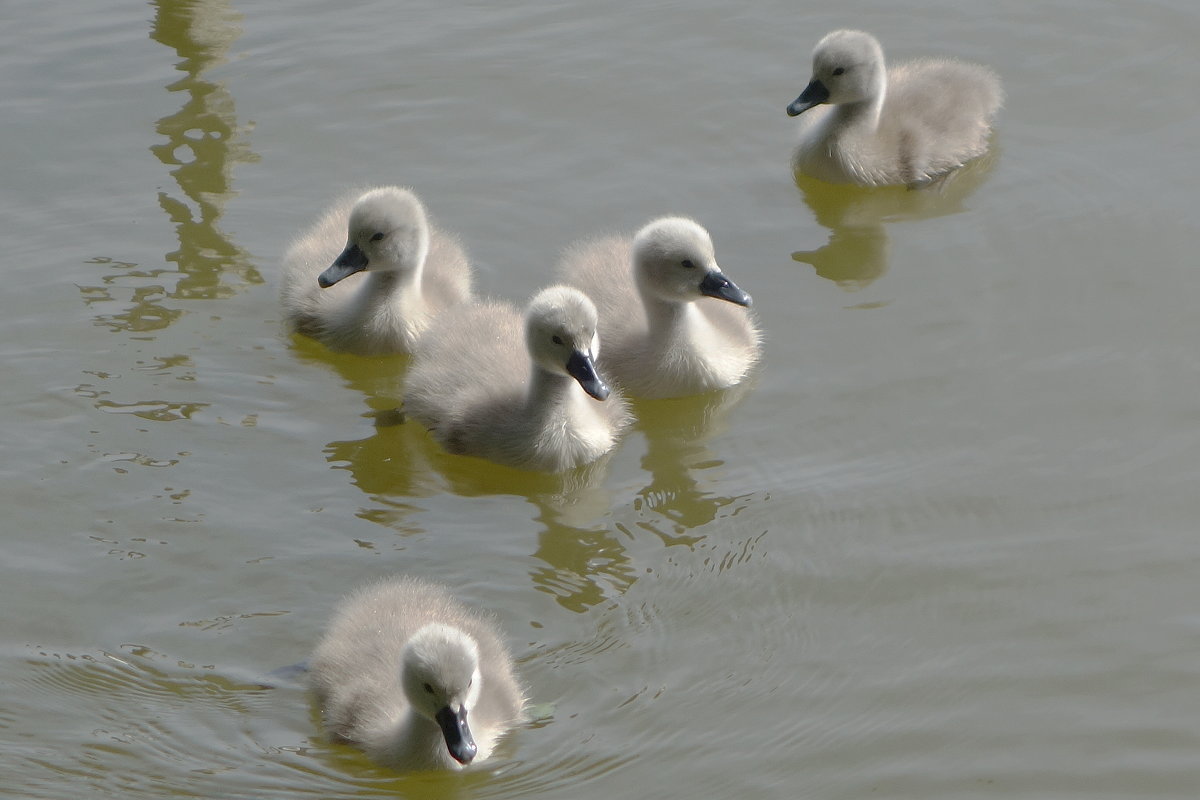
(581, 368)
(458, 737)
(813, 95)
(715, 284)
(352, 260)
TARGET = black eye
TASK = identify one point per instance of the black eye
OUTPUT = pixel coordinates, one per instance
(556, 339)
(839, 70)
(428, 688)
(377, 237)
(687, 263)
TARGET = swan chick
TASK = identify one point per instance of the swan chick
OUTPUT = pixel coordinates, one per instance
(411, 271)
(672, 322)
(871, 126)
(414, 678)
(541, 406)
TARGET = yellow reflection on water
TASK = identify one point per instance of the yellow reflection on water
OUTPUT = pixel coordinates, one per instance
(856, 254)
(203, 142)
(677, 457)
(583, 554)
(399, 462)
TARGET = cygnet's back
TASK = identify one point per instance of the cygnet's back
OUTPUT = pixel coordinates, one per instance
(356, 672)
(404, 272)
(517, 390)
(671, 322)
(868, 125)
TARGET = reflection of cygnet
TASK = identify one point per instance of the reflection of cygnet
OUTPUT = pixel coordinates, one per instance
(541, 406)
(672, 324)
(873, 127)
(414, 678)
(412, 272)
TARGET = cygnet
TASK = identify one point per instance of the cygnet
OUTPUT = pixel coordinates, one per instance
(410, 272)
(414, 678)
(671, 322)
(871, 126)
(524, 392)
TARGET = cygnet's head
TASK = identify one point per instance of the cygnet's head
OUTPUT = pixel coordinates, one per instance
(847, 68)
(674, 261)
(440, 674)
(388, 230)
(560, 332)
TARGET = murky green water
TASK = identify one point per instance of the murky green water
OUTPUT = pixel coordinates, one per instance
(944, 547)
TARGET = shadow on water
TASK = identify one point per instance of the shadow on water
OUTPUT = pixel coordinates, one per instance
(856, 254)
(203, 143)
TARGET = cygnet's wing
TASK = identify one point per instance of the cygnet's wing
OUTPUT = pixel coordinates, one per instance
(448, 275)
(355, 668)
(503, 698)
(304, 302)
(602, 269)
(939, 112)
(470, 350)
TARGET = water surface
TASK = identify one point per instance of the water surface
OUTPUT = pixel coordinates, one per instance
(943, 547)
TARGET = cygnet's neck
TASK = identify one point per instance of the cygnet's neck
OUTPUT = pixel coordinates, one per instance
(414, 734)
(395, 278)
(862, 115)
(668, 319)
(399, 286)
(548, 391)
